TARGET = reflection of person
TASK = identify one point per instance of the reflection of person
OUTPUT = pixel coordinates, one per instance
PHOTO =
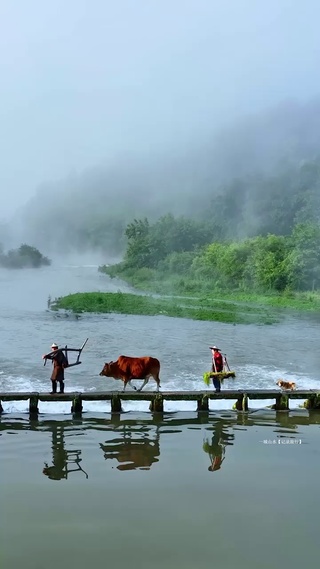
(216, 449)
(217, 460)
(60, 362)
(217, 366)
(61, 458)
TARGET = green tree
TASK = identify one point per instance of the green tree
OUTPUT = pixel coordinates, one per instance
(304, 258)
(138, 249)
(270, 262)
(23, 257)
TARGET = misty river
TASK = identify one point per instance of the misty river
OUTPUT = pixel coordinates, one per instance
(259, 354)
(174, 489)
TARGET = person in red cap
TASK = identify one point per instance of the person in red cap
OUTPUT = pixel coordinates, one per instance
(60, 362)
(217, 366)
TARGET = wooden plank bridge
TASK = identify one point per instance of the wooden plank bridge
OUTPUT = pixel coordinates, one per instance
(242, 397)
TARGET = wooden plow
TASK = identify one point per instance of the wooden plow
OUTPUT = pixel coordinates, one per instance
(66, 350)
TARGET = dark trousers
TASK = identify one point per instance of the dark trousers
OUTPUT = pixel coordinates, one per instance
(216, 383)
(54, 386)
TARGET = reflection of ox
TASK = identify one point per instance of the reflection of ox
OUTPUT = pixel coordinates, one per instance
(132, 454)
(127, 368)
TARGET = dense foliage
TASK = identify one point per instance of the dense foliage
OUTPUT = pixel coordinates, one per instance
(148, 244)
(185, 250)
(23, 257)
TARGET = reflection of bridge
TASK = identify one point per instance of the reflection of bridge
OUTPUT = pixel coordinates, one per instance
(135, 443)
(137, 447)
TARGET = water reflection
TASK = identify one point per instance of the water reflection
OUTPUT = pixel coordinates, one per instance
(134, 443)
(216, 448)
(134, 447)
(64, 461)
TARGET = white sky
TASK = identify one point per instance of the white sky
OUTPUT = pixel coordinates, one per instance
(84, 81)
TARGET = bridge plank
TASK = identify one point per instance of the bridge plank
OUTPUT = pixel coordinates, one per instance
(150, 395)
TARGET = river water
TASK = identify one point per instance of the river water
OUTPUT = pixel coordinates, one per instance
(181, 489)
(259, 354)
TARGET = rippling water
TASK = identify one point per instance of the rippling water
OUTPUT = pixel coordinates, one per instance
(178, 489)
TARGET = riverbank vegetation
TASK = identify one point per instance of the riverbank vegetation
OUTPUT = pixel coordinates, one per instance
(250, 281)
(253, 248)
(25, 256)
(283, 269)
(177, 307)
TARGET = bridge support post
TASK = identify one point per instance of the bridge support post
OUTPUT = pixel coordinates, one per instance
(203, 403)
(242, 403)
(282, 402)
(313, 402)
(76, 406)
(116, 404)
(156, 404)
(1, 408)
(33, 404)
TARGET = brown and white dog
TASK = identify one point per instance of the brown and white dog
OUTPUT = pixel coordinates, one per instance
(286, 384)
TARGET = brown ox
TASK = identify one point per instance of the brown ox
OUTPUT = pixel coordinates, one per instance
(127, 368)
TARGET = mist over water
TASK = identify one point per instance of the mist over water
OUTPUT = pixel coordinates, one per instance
(146, 108)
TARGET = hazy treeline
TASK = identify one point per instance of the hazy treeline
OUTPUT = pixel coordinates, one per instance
(24, 256)
(182, 249)
(258, 205)
(259, 176)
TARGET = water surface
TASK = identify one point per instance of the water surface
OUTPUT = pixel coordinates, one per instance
(173, 490)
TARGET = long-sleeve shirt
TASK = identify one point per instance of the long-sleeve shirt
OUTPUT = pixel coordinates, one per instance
(60, 362)
(218, 360)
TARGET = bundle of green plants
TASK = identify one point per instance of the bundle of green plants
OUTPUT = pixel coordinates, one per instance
(206, 446)
(207, 378)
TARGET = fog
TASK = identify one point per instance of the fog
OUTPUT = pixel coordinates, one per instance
(151, 100)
